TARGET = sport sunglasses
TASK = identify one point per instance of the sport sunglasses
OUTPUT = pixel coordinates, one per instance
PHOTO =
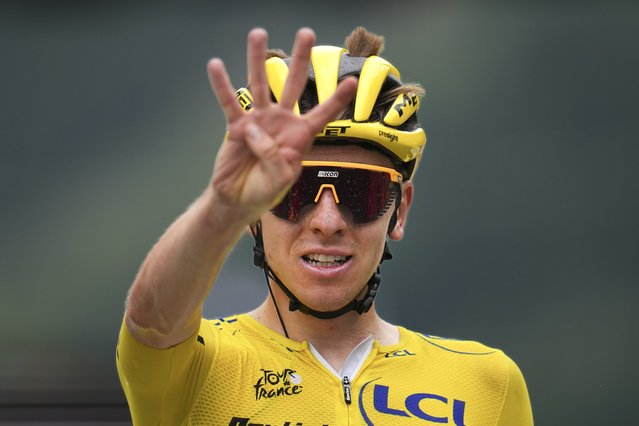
(365, 191)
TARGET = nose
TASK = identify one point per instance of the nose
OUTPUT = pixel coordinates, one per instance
(325, 216)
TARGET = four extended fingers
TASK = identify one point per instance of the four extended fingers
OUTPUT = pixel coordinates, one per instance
(296, 81)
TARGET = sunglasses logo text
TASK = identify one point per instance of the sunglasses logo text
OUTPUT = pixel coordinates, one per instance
(327, 174)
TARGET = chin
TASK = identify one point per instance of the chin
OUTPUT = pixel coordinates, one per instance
(326, 299)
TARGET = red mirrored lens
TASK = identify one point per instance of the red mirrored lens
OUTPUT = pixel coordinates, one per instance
(366, 194)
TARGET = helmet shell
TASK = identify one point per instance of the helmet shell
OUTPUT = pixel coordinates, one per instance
(396, 132)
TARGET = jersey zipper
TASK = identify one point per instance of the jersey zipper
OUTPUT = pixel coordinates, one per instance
(346, 384)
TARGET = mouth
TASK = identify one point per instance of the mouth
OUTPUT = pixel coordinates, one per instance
(325, 260)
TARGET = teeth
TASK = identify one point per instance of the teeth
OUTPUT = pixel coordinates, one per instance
(325, 257)
(317, 259)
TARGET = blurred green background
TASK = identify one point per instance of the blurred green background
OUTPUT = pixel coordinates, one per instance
(524, 233)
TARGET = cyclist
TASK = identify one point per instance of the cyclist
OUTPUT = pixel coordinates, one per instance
(317, 163)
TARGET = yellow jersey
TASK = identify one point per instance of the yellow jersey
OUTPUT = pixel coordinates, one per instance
(237, 372)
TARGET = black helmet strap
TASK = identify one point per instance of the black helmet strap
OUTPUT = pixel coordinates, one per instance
(360, 306)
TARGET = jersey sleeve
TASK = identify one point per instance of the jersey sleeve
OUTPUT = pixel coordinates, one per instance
(516, 409)
(161, 385)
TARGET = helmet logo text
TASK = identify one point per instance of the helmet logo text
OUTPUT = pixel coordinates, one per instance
(244, 98)
(393, 137)
(335, 130)
(406, 100)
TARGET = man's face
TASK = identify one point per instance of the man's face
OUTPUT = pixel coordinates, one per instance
(323, 258)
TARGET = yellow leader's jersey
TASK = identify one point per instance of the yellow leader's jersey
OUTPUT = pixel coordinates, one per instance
(237, 372)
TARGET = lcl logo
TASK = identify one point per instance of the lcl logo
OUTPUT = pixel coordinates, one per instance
(413, 406)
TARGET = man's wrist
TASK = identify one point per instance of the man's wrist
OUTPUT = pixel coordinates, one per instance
(220, 214)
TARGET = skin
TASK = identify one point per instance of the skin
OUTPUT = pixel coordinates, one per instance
(255, 166)
(325, 229)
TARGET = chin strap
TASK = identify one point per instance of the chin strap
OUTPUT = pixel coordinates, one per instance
(358, 305)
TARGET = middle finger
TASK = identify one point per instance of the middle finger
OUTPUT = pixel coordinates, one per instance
(298, 71)
(256, 56)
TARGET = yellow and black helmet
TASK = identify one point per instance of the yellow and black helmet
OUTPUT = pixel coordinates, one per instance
(395, 131)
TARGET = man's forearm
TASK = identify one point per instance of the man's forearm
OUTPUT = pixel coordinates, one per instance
(164, 304)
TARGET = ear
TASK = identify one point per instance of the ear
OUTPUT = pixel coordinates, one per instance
(397, 233)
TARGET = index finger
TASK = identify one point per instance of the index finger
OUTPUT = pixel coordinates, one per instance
(221, 84)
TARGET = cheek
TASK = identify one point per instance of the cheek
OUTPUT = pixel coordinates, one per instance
(277, 236)
(273, 245)
(375, 238)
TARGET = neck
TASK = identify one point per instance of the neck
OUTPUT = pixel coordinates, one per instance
(333, 338)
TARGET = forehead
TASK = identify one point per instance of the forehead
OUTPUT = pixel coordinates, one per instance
(348, 153)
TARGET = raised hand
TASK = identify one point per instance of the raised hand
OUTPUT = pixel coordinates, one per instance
(261, 157)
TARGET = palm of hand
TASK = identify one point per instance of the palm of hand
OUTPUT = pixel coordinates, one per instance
(261, 157)
(256, 178)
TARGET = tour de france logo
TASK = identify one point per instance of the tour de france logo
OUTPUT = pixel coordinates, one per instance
(273, 384)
